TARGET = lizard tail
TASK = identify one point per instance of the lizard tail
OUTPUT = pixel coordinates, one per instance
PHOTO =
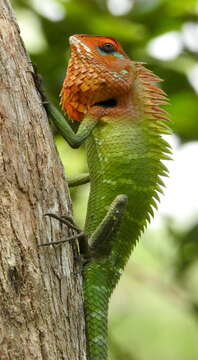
(97, 291)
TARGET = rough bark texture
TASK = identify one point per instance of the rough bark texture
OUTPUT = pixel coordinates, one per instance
(41, 313)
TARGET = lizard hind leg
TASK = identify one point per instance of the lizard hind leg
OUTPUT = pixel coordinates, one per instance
(102, 240)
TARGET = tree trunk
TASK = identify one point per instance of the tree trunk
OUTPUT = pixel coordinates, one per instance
(41, 312)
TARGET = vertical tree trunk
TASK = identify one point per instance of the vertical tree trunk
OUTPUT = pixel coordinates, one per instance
(41, 313)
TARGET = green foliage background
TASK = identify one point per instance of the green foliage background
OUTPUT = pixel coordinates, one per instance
(154, 311)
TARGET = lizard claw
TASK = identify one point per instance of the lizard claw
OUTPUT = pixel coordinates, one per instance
(74, 237)
(67, 220)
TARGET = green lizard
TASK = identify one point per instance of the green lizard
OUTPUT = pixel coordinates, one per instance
(118, 110)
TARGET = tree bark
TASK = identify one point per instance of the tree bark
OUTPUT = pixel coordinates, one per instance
(41, 311)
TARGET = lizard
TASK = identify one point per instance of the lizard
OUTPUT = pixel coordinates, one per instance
(117, 105)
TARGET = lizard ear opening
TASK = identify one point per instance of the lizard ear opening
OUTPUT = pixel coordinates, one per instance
(107, 103)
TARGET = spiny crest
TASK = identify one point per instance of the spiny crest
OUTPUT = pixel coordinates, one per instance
(154, 97)
(157, 119)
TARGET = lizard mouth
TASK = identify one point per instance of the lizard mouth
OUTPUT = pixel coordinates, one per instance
(107, 103)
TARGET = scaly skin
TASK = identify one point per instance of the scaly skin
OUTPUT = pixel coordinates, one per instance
(124, 151)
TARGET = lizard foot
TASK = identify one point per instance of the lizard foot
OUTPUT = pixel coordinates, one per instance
(67, 220)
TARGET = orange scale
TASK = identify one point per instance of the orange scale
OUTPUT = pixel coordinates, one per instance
(95, 87)
(78, 81)
(84, 87)
(74, 105)
(64, 98)
(73, 90)
(82, 108)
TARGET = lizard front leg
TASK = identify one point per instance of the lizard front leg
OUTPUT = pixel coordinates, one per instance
(74, 139)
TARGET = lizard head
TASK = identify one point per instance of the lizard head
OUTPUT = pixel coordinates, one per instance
(99, 72)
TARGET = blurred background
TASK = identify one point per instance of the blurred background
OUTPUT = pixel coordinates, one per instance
(154, 310)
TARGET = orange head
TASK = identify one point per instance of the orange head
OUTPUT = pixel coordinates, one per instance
(98, 72)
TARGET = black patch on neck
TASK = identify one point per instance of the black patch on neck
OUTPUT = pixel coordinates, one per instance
(107, 103)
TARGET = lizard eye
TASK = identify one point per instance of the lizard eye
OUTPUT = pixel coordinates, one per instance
(108, 48)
